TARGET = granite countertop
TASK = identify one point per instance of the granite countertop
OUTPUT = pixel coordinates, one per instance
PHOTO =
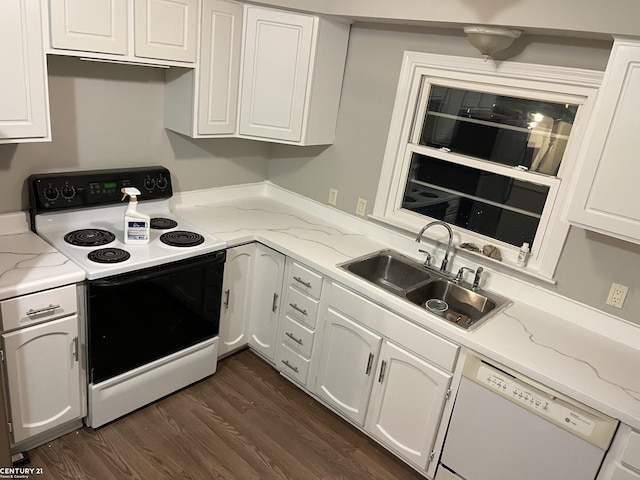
(579, 362)
(29, 264)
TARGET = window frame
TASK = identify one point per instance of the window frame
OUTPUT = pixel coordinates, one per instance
(550, 83)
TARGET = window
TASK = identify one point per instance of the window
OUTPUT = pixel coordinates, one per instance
(488, 149)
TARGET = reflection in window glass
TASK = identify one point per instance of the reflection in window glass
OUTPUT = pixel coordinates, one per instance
(507, 130)
(494, 205)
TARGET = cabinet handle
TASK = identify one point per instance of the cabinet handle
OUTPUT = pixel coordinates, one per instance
(290, 335)
(75, 349)
(226, 302)
(382, 369)
(296, 307)
(274, 306)
(299, 280)
(31, 312)
(292, 367)
(369, 364)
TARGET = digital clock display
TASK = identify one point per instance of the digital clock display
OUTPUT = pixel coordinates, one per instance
(110, 185)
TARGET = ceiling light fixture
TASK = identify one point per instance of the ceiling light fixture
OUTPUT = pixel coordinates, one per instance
(490, 40)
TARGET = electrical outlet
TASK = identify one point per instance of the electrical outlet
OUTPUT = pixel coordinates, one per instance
(333, 196)
(361, 206)
(617, 294)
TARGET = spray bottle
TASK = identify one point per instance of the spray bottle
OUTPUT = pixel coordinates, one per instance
(136, 224)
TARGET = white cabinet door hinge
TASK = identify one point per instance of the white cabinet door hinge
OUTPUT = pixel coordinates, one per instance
(448, 394)
(431, 455)
(2, 356)
(10, 427)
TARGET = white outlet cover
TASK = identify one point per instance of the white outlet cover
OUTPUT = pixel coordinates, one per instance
(361, 207)
(617, 295)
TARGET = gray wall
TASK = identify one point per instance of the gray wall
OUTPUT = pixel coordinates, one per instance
(589, 262)
(106, 115)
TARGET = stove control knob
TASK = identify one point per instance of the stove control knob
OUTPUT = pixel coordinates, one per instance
(162, 182)
(149, 183)
(51, 193)
(68, 192)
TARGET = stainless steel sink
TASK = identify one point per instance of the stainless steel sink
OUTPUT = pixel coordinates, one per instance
(427, 288)
(389, 270)
(459, 305)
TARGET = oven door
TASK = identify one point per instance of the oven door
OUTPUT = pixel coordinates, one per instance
(139, 317)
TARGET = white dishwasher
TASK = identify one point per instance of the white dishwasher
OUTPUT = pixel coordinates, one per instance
(507, 427)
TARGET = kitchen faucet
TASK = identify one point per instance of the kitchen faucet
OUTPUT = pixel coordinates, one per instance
(445, 260)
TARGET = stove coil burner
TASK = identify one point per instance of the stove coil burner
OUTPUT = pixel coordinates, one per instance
(160, 223)
(108, 255)
(181, 238)
(89, 237)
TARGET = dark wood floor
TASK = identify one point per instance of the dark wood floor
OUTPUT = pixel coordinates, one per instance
(244, 422)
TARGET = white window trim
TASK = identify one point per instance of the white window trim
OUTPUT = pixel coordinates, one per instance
(549, 80)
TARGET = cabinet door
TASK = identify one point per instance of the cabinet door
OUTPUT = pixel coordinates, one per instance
(406, 403)
(347, 365)
(43, 376)
(277, 55)
(89, 26)
(219, 67)
(605, 199)
(265, 308)
(166, 29)
(23, 82)
(236, 298)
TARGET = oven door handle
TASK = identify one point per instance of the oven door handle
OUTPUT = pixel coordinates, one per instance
(160, 271)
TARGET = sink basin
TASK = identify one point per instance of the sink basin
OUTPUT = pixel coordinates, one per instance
(428, 288)
(388, 270)
(459, 305)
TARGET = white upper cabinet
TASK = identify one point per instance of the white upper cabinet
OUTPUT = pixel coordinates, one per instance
(92, 26)
(24, 111)
(263, 73)
(605, 197)
(276, 68)
(292, 72)
(219, 69)
(143, 31)
(166, 29)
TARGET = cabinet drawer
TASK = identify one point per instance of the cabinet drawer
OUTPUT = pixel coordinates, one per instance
(306, 281)
(631, 453)
(402, 331)
(297, 337)
(292, 364)
(29, 309)
(301, 307)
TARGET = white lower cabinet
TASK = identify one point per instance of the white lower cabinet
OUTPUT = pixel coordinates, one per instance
(623, 458)
(406, 403)
(386, 374)
(347, 365)
(43, 376)
(265, 302)
(236, 298)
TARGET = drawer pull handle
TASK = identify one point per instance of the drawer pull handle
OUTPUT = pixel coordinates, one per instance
(31, 312)
(290, 335)
(299, 280)
(274, 305)
(369, 364)
(292, 367)
(296, 307)
(382, 369)
(75, 349)
(226, 302)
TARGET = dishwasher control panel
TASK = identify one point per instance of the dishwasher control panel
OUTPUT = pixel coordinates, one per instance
(533, 399)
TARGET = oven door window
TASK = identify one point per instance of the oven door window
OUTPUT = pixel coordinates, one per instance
(136, 318)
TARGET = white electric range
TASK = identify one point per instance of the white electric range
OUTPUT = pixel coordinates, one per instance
(152, 310)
